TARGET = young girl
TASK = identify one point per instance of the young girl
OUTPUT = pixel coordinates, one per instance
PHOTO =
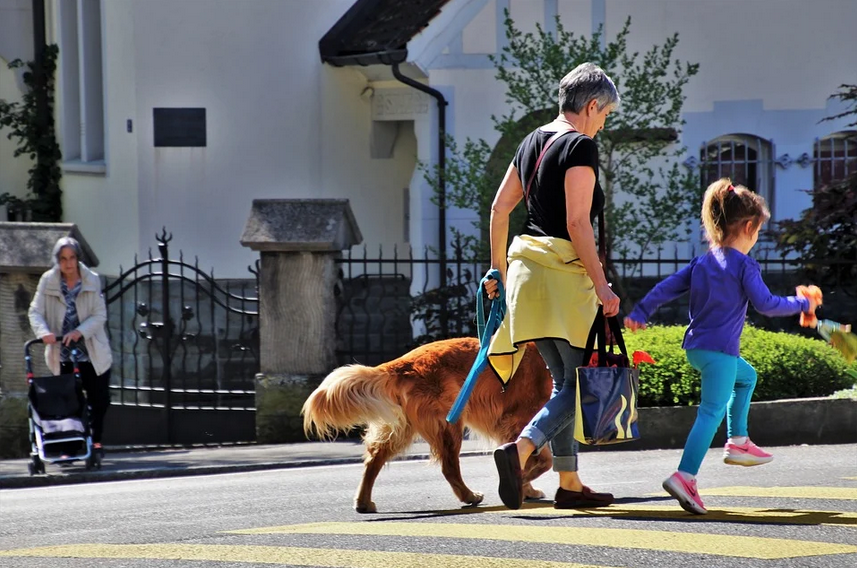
(721, 282)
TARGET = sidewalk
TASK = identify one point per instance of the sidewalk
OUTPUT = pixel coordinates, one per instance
(120, 464)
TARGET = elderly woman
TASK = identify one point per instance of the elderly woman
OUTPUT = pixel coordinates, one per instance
(68, 302)
(554, 280)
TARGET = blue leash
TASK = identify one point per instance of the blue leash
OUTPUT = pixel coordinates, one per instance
(485, 330)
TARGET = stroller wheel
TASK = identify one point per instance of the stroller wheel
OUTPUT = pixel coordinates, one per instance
(31, 468)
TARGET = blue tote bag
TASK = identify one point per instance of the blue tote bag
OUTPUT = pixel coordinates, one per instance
(606, 389)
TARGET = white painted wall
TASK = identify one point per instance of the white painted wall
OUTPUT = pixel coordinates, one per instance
(16, 42)
(105, 206)
(790, 54)
(279, 125)
(13, 171)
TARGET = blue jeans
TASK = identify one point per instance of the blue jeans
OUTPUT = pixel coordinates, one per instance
(727, 386)
(554, 423)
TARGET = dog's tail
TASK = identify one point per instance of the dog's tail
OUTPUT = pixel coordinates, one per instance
(350, 396)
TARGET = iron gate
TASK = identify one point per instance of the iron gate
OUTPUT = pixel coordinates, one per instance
(186, 352)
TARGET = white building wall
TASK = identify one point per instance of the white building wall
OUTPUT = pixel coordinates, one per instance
(13, 171)
(106, 205)
(791, 54)
(16, 42)
(280, 124)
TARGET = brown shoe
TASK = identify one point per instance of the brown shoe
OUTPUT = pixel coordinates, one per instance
(509, 469)
(581, 499)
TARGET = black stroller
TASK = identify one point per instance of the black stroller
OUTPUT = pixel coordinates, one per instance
(59, 418)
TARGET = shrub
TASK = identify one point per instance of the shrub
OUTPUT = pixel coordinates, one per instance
(789, 366)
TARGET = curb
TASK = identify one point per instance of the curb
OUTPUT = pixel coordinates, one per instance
(53, 479)
(789, 422)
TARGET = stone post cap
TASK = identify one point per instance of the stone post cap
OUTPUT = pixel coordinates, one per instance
(26, 247)
(284, 225)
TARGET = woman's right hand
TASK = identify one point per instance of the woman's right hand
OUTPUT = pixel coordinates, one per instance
(609, 299)
(49, 339)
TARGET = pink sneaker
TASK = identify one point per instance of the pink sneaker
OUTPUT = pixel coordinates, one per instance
(685, 492)
(747, 454)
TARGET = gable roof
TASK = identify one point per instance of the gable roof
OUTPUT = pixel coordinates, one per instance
(377, 31)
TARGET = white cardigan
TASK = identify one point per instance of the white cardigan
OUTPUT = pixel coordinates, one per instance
(48, 308)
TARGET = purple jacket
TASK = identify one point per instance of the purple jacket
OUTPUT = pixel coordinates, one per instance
(721, 283)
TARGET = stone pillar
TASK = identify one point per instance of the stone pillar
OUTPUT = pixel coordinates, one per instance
(25, 253)
(299, 241)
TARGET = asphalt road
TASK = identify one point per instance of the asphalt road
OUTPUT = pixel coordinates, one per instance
(798, 511)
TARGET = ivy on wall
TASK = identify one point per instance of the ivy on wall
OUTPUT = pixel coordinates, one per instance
(36, 135)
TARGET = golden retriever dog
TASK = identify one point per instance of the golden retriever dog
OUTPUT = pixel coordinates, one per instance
(411, 396)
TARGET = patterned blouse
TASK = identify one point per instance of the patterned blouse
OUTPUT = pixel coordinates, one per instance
(70, 323)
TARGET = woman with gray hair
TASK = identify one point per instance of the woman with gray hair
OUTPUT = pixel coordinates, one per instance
(553, 277)
(68, 302)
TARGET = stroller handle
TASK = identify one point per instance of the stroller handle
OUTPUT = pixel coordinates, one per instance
(35, 341)
(28, 358)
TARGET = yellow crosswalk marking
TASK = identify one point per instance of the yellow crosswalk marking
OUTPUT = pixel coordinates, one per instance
(684, 542)
(850, 478)
(326, 557)
(842, 493)
(718, 514)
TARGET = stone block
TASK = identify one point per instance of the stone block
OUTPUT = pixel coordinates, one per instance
(26, 247)
(14, 429)
(323, 225)
(279, 399)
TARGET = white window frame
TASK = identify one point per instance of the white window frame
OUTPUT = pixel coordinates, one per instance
(765, 182)
(81, 82)
(844, 141)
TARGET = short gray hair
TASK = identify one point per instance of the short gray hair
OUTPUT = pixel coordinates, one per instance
(62, 243)
(586, 82)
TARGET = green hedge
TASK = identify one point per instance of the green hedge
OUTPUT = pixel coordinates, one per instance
(789, 366)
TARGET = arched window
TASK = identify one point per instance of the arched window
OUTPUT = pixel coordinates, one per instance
(745, 159)
(835, 157)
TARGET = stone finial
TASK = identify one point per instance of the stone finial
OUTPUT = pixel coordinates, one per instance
(26, 247)
(284, 225)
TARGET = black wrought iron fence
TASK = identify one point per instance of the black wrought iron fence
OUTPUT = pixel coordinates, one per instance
(186, 348)
(390, 304)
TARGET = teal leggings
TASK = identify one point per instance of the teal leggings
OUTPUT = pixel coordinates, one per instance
(727, 386)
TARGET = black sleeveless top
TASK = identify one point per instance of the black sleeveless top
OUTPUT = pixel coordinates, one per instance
(546, 214)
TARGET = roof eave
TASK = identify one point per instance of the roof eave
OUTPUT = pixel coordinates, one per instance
(387, 57)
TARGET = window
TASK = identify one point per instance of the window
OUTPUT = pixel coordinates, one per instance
(835, 158)
(81, 85)
(745, 159)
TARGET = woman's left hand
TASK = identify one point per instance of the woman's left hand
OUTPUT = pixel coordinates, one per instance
(71, 337)
(492, 288)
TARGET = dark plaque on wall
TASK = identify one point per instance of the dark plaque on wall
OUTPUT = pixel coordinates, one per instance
(179, 127)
